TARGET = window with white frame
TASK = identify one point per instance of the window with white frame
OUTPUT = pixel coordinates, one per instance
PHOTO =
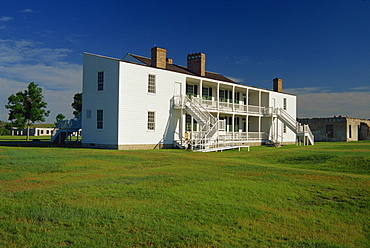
(100, 80)
(284, 128)
(151, 83)
(207, 93)
(99, 119)
(188, 121)
(151, 120)
(226, 95)
(191, 90)
(236, 97)
(222, 95)
(284, 104)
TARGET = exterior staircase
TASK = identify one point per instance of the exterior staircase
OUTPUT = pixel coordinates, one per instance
(64, 129)
(303, 132)
(209, 124)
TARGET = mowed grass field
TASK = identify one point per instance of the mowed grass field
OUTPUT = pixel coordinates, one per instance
(306, 196)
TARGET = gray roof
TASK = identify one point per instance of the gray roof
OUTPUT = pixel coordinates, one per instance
(179, 68)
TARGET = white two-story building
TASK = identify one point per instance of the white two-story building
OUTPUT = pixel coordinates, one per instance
(146, 103)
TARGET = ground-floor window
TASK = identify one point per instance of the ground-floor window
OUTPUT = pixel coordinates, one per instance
(99, 119)
(236, 124)
(188, 124)
(151, 120)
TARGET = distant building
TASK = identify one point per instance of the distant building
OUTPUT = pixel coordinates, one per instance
(36, 131)
(338, 128)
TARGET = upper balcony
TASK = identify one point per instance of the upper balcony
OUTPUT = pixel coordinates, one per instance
(226, 107)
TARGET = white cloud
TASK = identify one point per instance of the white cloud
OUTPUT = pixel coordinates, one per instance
(353, 104)
(27, 11)
(5, 18)
(307, 90)
(22, 62)
(237, 80)
(362, 88)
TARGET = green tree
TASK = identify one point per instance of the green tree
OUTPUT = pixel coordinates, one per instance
(77, 103)
(5, 128)
(27, 107)
(58, 118)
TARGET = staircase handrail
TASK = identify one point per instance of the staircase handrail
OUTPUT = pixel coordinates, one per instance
(210, 123)
(72, 123)
(201, 109)
(288, 118)
(309, 133)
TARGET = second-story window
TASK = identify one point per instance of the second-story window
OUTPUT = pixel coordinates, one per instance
(222, 96)
(100, 80)
(284, 104)
(207, 93)
(151, 84)
(191, 90)
(236, 97)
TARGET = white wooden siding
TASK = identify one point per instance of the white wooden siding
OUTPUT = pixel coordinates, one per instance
(289, 136)
(135, 102)
(107, 100)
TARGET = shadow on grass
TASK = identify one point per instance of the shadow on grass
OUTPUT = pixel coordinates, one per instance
(37, 143)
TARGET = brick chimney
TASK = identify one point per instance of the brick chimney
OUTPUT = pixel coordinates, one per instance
(278, 84)
(159, 57)
(197, 63)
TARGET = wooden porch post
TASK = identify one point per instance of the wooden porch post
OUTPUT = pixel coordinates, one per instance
(218, 97)
(259, 127)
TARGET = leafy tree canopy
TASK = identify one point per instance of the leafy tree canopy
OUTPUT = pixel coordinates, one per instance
(5, 128)
(58, 118)
(77, 103)
(27, 107)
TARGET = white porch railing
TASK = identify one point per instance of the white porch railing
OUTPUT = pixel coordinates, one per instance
(228, 139)
(225, 106)
(236, 136)
(69, 127)
(305, 131)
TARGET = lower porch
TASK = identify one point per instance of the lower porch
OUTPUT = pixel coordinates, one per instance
(191, 140)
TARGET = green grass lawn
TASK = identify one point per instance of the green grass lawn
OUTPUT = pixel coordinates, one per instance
(307, 196)
(16, 138)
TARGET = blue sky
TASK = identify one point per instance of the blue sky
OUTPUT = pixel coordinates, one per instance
(320, 48)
